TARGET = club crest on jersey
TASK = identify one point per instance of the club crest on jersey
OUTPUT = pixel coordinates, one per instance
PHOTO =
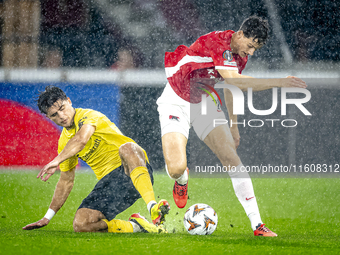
(81, 122)
(172, 117)
(227, 55)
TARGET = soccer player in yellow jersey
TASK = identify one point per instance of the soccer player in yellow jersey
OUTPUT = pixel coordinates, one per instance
(121, 166)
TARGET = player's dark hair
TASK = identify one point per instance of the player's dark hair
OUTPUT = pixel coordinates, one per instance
(48, 97)
(256, 27)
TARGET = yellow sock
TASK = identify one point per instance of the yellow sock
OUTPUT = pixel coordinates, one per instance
(118, 226)
(141, 180)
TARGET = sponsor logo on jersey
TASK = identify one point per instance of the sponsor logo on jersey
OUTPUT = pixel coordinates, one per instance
(91, 151)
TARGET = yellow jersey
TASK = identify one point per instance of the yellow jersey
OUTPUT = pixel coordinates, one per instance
(101, 152)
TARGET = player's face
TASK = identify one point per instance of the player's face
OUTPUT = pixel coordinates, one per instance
(244, 46)
(62, 113)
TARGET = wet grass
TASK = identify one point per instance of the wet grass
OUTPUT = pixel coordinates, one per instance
(305, 213)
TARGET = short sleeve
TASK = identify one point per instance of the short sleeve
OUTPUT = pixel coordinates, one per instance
(90, 118)
(70, 163)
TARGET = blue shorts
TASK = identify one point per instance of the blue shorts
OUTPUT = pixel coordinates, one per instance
(113, 194)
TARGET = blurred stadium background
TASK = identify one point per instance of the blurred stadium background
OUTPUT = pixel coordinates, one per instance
(108, 55)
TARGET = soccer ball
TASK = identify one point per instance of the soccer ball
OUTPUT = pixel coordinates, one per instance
(200, 219)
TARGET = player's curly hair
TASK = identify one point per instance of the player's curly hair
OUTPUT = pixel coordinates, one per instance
(48, 97)
(256, 27)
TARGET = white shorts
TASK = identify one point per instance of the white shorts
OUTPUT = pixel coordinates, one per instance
(178, 115)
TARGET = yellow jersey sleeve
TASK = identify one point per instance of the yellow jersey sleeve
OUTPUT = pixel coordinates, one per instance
(69, 163)
(87, 116)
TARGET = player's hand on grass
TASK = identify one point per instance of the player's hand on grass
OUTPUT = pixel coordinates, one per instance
(49, 169)
(293, 82)
(39, 224)
(236, 135)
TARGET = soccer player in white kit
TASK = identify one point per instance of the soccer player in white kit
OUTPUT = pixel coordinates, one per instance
(214, 57)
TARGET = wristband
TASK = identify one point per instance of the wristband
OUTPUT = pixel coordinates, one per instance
(50, 213)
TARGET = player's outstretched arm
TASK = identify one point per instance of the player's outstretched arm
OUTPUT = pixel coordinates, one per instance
(244, 82)
(61, 193)
(228, 98)
(73, 146)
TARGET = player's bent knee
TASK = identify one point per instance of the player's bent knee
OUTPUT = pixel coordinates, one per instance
(79, 225)
(81, 220)
(176, 170)
(176, 175)
(129, 149)
(88, 220)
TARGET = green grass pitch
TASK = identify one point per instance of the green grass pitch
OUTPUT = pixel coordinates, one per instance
(305, 213)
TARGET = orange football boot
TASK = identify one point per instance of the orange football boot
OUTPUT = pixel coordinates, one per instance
(263, 231)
